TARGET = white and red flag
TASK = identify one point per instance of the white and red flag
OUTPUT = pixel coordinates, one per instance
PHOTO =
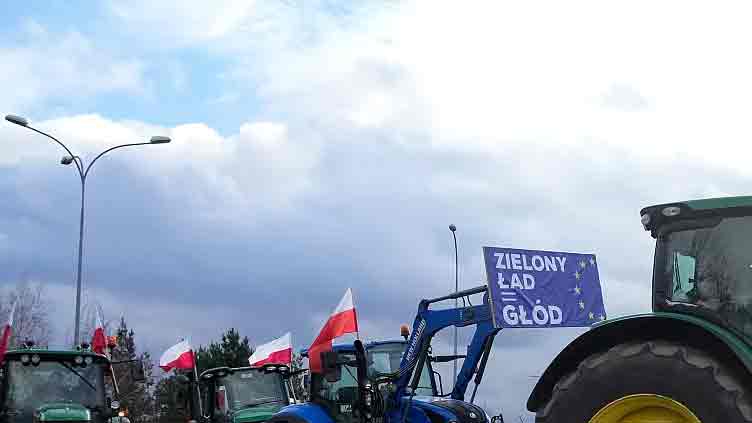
(343, 320)
(7, 331)
(178, 356)
(99, 339)
(278, 351)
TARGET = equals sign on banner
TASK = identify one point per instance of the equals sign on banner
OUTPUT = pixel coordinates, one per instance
(508, 296)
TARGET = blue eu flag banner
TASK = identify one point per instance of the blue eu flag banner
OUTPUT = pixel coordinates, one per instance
(530, 288)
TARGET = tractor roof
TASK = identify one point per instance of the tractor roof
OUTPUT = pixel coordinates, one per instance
(349, 347)
(47, 354)
(654, 217)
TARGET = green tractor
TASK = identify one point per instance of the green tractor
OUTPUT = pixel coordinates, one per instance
(690, 360)
(42, 385)
(241, 394)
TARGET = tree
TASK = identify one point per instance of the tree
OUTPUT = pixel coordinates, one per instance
(298, 381)
(135, 396)
(31, 319)
(171, 400)
(230, 352)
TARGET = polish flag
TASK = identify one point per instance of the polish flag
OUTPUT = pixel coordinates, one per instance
(278, 351)
(178, 356)
(7, 330)
(99, 340)
(343, 320)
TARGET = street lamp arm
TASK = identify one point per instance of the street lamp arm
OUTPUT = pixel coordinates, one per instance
(107, 151)
(78, 166)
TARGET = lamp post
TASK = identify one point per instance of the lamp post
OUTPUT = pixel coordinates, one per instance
(456, 303)
(83, 172)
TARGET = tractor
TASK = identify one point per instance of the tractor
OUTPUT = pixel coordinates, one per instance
(690, 360)
(394, 381)
(41, 385)
(245, 394)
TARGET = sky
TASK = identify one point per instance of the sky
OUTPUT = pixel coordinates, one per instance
(322, 145)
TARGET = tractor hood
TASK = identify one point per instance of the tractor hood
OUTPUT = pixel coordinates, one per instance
(256, 414)
(461, 411)
(63, 412)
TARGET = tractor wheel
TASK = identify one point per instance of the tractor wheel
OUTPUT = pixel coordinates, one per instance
(650, 382)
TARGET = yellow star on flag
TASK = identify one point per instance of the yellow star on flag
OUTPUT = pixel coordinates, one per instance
(591, 316)
(582, 306)
(577, 275)
(592, 261)
(577, 290)
(583, 264)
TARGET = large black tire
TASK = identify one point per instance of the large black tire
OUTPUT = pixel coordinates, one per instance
(714, 391)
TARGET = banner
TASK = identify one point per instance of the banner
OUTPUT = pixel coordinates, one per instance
(530, 288)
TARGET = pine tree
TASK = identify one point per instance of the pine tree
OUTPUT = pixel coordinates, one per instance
(136, 397)
(171, 400)
(230, 352)
(298, 384)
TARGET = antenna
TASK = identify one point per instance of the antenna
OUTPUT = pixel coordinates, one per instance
(456, 302)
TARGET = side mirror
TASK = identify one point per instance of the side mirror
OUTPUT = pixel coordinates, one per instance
(497, 419)
(137, 371)
(332, 370)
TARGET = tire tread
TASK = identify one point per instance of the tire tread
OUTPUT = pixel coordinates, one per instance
(659, 348)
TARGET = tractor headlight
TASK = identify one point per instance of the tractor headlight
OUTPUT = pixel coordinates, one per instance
(671, 211)
(78, 360)
(25, 359)
(35, 359)
(88, 359)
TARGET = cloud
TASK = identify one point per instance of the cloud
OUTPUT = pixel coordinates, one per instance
(50, 68)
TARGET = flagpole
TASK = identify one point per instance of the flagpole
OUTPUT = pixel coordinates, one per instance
(357, 329)
(198, 390)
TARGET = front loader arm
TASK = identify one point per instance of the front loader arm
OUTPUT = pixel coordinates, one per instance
(480, 345)
(428, 322)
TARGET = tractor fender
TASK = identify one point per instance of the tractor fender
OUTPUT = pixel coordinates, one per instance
(302, 413)
(684, 328)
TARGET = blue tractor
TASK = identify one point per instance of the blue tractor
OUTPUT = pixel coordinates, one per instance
(394, 381)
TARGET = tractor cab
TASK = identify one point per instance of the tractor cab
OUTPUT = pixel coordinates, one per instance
(703, 260)
(45, 385)
(245, 394)
(338, 396)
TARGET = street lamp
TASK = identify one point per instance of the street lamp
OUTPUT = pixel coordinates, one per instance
(456, 303)
(83, 172)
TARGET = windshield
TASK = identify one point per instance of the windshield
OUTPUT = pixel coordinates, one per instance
(711, 268)
(385, 358)
(251, 388)
(28, 387)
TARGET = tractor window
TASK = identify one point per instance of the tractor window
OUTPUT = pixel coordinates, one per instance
(711, 267)
(251, 388)
(29, 387)
(684, 277)
(386, 358)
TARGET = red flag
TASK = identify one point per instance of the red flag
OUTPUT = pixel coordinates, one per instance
(178, 356)
(278, 351)
(99, 340)
(7, 331)
(343, 320)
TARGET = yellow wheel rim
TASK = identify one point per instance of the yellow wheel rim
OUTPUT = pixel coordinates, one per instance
(645, 408)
